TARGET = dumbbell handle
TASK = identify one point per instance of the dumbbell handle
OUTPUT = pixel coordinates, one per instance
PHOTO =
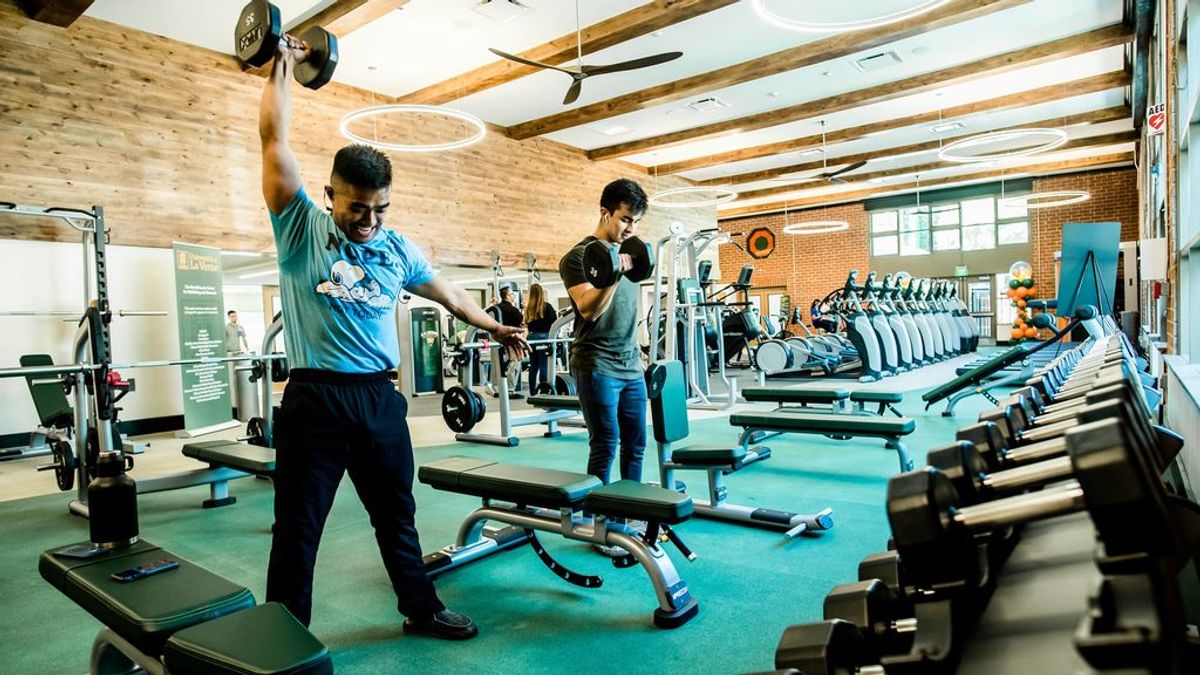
(1037, 451)
(1031, 475)
(1021, 508)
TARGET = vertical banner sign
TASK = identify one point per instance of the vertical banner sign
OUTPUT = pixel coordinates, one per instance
(200, 308)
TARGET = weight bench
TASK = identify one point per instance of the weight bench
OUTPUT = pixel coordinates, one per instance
(185, 621)
(527, 498)
(668, 410)
(757, 426)
(555, 402)
(833, 400)
(227, 460)
(983, 378)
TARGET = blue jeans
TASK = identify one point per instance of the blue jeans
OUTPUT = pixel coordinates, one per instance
(615, 413)
(539, 362)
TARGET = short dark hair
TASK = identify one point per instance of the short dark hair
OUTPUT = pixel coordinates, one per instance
(232, 311)
(624, 191)
(363, 166)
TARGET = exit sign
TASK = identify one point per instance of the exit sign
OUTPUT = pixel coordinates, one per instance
(960, 270)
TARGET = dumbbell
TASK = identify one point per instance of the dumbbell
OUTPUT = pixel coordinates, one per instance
(257, 35)
(602, 262)
(1021, 425)
(934, 532)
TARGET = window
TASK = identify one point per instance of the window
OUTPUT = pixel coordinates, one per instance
(978, 224)
(1012, 233)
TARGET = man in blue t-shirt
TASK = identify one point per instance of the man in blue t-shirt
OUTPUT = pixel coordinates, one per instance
(340, 276)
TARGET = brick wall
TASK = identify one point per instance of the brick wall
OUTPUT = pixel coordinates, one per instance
(809, 265)
(812, 265)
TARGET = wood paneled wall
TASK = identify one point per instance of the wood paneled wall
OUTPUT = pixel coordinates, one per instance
(164, 135)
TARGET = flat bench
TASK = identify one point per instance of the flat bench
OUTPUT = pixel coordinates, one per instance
(188, 619)
(531, 498)
(253, 459)
(839, 426)
(836, 399)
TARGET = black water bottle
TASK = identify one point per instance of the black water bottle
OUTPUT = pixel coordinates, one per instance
(112, 502)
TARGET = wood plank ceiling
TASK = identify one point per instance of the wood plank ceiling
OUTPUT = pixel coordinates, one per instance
(758, 108)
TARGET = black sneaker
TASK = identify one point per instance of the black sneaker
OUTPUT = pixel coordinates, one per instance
(445, 624)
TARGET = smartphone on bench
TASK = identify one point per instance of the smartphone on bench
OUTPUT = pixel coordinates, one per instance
(143, 571)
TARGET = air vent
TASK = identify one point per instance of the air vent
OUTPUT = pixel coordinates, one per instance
(878, 61)
(948, 126)
(609, 129)
(500, 11)
(708, 104)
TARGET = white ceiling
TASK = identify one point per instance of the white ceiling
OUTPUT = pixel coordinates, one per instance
(430, 41)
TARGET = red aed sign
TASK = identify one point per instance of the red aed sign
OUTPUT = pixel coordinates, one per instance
(1156, 118)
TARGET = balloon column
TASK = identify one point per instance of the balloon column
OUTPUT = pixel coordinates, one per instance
(1021, 290)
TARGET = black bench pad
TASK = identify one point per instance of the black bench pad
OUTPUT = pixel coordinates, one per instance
(256, 641)
(555, 402)
(253, 459)
(528, 485)
(780, 395)
(631, 499)
(708, 456)
(148, 611)
(825, 423)
(877, 396)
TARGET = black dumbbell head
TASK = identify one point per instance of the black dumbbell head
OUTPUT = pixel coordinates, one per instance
(964, 466)
(642, 255)
(934, 550)
(601, 264)
(822, 648)
(257, 33)
(317, 68)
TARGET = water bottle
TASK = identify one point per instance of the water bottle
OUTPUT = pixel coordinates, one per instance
(112, 502)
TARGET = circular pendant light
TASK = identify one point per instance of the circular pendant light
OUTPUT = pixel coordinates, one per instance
(816, 227)
(1045, 200)
(917, 7)
(959, 151)
(718, 195)
(480, 129)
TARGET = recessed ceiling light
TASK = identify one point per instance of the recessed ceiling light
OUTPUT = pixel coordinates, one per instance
(657, 33)
(773, 94)
(947, 126)
(372, 68)
(827, 73)
(920, 49)
(609, 129)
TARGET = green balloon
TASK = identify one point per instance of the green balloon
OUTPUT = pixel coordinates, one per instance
(1014, 283)
(1027, 283)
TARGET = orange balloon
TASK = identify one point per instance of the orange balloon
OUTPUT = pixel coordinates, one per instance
(1017, 333)
(1021, 303)
(1022, 292)
(1032, 292)
(1031, 332)
(1020, 324)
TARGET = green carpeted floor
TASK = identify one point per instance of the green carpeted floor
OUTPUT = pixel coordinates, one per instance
(750, 583)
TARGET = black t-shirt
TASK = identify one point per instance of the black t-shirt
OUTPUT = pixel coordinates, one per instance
(608, 345)
(543, 323)
(509, 314)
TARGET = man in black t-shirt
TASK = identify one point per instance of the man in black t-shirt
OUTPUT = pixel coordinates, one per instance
(605, 358)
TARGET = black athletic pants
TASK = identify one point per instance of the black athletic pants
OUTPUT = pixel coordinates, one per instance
(332, 423)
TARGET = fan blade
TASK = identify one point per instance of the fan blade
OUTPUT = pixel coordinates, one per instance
(633, 64)
(853, 167)
(529, 62)
(573, 92)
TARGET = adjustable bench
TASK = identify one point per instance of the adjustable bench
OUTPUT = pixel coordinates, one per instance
(185, 621)
(759, 425)
(668, 410)
(983, 378)
(527, 498)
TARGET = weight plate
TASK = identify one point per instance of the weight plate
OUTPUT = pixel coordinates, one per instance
(564, 385)
(257, 33)
(459, 409)
(480, 406)
(254, 429)
(64, 461)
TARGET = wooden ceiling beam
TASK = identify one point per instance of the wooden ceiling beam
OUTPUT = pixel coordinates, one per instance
(1054, 92)
(1091, 117)
(1101, 38)
(857, 195)
(1087, 143)
(341, 18)
(817, 51)
(55, 12)
(634, 23)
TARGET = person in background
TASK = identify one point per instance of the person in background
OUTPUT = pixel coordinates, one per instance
(235, 335)
(539, 316)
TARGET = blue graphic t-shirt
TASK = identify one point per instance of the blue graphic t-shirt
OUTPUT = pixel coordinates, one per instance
(339, 297)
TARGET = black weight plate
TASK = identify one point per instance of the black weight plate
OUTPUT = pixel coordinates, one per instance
(254, 429)
(64, 460)
(564, 385)
(458, 409)
(316, 70)
(480, 406)
(601, 264)
(257, 33)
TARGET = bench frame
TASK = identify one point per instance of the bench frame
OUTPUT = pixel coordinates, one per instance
(756, 434)
(475, 541)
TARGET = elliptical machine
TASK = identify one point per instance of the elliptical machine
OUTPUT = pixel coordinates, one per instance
(916, 346)
(861, 332)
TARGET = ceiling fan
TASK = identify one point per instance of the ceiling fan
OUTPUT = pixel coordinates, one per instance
(579, 72)
(832, 176)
